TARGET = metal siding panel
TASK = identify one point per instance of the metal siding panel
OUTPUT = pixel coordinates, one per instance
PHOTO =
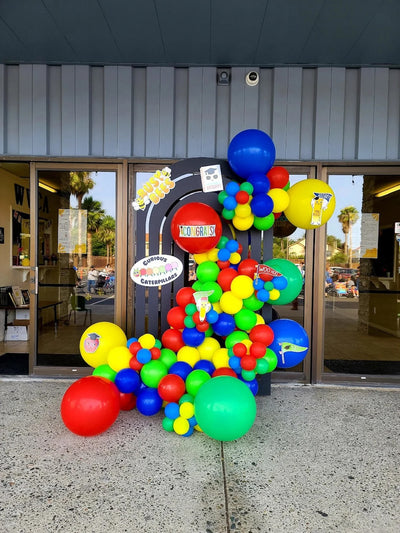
(181, 112)
(82, 110)
(124, 111)
(2, 108)
(351, 109)
(97, 111)
(379, 140)
(237, 110)
(279, 111)
(307, 123)
(222, 126)
(393, 139)
(55, 112)
(194, 111)
(322, 113)
(208, 115)
(166, 116)
(265, 100)
(25, 118)
(110, 111)
(251, 104)
(12, 112)
(293, 122)
(153, 88)
(336, 122)
(68, 117)
(139, 112)
(366, 114)
(39, 111)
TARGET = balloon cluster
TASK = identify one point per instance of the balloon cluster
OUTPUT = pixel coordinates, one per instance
(203, 371)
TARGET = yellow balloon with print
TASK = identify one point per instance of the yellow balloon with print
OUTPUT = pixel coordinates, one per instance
(97, 341)
(312, 203)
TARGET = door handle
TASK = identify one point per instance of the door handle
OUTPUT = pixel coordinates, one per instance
(35, 279)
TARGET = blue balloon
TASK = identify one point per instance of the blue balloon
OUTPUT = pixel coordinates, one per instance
(206, 365)
(127, 380)
(143, 356)
(232, 245)
(260, 183)
(181, 369)
(172, 410)
(192, 337)
(290, 342)
(251, 152)
(261, 205)
(253, 385)
(212, 316)
(280, 283)
(225, 325)
(232, 188)
(148, 402)
(129, 341)
(230, 203)
(258, 284)
(224, 254)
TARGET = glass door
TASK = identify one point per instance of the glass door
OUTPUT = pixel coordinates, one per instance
(75, 275)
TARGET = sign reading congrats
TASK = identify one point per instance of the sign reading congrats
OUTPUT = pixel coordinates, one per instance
(197, 231)
(156, 270)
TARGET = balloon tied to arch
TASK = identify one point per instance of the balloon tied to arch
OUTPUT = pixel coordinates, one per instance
(202, 374)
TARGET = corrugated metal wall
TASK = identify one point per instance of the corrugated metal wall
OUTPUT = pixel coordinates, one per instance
(166, 112)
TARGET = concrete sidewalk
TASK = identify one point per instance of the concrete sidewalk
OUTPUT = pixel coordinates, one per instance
(318, 459)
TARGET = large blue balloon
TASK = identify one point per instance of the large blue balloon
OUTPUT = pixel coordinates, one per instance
(251, 152)
(224, 325)
(290, 342)
(192, 337)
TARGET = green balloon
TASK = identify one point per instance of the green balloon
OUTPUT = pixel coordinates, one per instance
(189, 322)
(293, 276)
(247, 186)
(264, 223)
(228, 214)
(104, 371)
(225, 408)
(152, 372)
(168, 424)
(253, 303)
(271, 359)
(158, 344)
(195, 380)
(168, 357)
(190, 309)
(212, 286)
(262, 366)
(235, 337)
(221, 196)
(186, 398)
(245, 319)
(197, 286)
(248, 375)
(287, 186)
(223, 240)
(207, 271)
(209, 332)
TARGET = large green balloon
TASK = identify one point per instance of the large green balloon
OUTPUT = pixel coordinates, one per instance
(293, 276)
(225, 408)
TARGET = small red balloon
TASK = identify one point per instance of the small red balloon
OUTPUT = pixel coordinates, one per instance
(171, 388)
(176, 317)
(134, 363)
(172, 339)
(224, 371)
(258, 350)
(278, 177)
(196, 228)
(134, 347)
(185, 296)
(90, 406)
(242, 197)
(202, 326)
(225, 278)
(239, 349)
(262, 333)
(155, 353)
(248, 362)
(223, 264)
(248, 267)
(127, 401)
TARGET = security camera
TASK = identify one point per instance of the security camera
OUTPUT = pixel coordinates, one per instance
(252, 78)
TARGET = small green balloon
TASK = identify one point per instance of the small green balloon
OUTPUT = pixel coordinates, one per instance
(287, 186)
(190, 309)
(268, 285)
(235, 337)
(189, 322)
(104, 371)
(245, 319)
(223, 240)
(209, 332)
(197, 286)
(225, 408)
(221, 196)
(228, 214)
(253, 303)
(271, 359)
(186, 398)
(246, 186)
(207, 271)
(248, 375)
(168, 424)
(152, 372)
(168, 357)
(264, 223)
(195, 380)
(262, 366)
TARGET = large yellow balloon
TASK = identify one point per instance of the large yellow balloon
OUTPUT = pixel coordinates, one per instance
(188, 354)
(242, 287)
(98, 339)
(230, 303)
(208, 347)
(312, 203)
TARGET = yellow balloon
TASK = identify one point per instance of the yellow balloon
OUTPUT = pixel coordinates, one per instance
(98, 339)
(280, 198)
(243, 223)
(260, 319)
(235, 258)
(147, 341)
(181, 425)
(188, 354)
(242, 287)
(118, 358)
(221, 358)
(200, 258)
(243, 210)
(208, 347)
(274, 294)
(217, 307)
(247, 343)
(230, 303)
(312, 203)
(186, 410)
(212, 255)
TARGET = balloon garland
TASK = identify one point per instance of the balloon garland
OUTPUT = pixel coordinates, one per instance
(203, 371)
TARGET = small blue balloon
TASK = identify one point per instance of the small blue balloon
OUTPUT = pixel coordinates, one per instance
(129, 341)
(260, 183)
(263, 295)
(143, 356)
(280, 283)
(225, 325)
(232, 188)
(232, 246)
(205, 365)
(189, 432)
(127, 380)
(148, 402)
(261, 205)
(212, 316)
(250, 152)
(253, 385)
(258, 284)
(234, 362)
(193, 337)
(224, 254)
(172, 410)
(181, 369)
(230, 203)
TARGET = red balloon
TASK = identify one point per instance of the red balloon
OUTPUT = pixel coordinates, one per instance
(239, 349)
(262, 333)
(196, 228)
(278, 177)
(242, 197)
(223, 264)
(155, 353)
(258, 349)
(277, 215)
(248, 362)
(127, 401)
(224, 371)
(176, 317)
(202, 326)
(90, 406)
(225, 278)
(248, 267)
(134, 363)
(171, 388)
(185, 296)
(172, 339)
(134, 347)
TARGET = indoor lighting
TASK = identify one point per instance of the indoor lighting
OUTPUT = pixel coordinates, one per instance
(387, 191)
(47, 187)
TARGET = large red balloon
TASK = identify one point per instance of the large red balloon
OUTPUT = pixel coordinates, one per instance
(176, 317)
(196, 228)
(90, 406)
(185, 296)
(225, 278)
(278, 177)
(171, 388)
(262, 333)
(248, 267)
(172, 339)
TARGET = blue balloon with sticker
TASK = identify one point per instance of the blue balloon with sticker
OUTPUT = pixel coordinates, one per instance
(290, 342)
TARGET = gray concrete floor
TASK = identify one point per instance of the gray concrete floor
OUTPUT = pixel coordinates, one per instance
(317, 459)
